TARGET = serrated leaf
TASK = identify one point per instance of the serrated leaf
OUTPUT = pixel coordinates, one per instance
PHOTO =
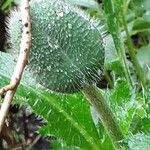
(123, 103)
(121, 93)
(68, 116)
(116, 66)
(140, 141)
(60, 145)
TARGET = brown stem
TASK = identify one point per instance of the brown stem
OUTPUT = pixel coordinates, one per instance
(21, 63)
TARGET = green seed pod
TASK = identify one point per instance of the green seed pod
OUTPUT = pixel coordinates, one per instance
(67, 48)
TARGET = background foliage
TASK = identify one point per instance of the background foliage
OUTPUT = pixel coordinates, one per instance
(70, 118)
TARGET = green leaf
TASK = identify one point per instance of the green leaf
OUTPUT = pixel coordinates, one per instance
(116, 66)
(122, 101)
(110, 50)
(72, 113)
(140, 25)
(146, 125)
(68, 116)
(112, 61)
(140, 141)
(141, 4)
(143, 55)
(141, 112)
(60, 145)
(121, 93)
(106, 142)
(6, 4)
(146, 15)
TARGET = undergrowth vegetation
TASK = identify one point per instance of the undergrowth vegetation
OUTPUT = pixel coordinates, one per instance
(76, 121)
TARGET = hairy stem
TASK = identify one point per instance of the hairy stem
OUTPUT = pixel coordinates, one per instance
(131, 50)
(105, 114)
(107, 77)
(115, 32)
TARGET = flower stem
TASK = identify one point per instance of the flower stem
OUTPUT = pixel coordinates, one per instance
(132, 54)
(106, 116)
(115, 32)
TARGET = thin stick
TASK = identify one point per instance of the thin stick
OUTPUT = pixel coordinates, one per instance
(21, 63)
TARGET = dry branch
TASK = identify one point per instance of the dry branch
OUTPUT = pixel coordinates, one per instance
(21, 62)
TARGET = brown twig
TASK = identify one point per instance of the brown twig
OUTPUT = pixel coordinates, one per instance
(6, 88)
(21, 63)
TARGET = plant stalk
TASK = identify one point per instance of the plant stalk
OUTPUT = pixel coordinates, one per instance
(114, 30)
(107, 77)
(106, 116)
(130, 46)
